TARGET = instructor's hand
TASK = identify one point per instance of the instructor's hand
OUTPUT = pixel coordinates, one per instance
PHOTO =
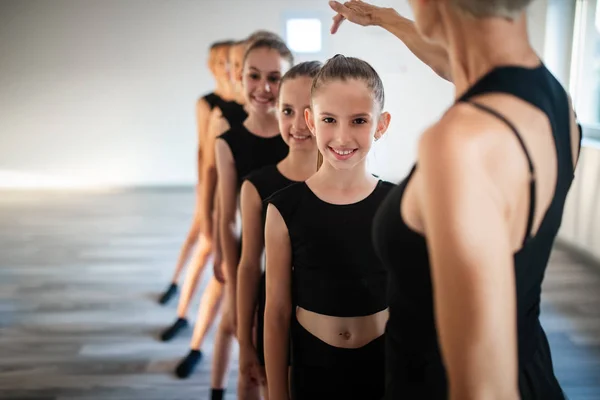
(356, 11)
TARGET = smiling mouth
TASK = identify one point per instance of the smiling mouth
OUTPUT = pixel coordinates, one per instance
(342, 154)
(263, 100)
(300, 137)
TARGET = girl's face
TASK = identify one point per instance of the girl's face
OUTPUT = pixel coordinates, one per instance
(236, 58)
(345, 119)
(221, 64)
(294, 98)
(263, 70)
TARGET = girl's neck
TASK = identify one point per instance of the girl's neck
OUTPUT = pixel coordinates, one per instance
(223, 90)
(265, 125)
(299, 165)
(239, 97)
(344, 180)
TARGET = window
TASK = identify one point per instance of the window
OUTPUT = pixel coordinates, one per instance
(585, 66)
(304, 35)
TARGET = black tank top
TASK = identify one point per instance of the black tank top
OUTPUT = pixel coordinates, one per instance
(414, 365)
(267, 181)
(335, 270)
(251, 152)
(213, 100)
(233, 112)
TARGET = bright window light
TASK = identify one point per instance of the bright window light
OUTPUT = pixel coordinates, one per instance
(304, 35)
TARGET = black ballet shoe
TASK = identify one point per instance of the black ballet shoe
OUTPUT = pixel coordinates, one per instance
(217, 394)
(174, 329)
(187, 366)
(168, 294)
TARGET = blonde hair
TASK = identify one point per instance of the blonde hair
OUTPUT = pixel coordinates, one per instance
(492, 8)
(319, 160)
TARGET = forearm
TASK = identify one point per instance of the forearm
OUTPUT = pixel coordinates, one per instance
(230, 253)
(277, 327)
(209, 184)
(247, 294)
(404, 29)
(217, 248)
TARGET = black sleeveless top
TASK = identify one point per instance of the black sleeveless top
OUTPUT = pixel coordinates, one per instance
(233, 112)
(251, 152)
(414, 365)
(335, 270)
(213, 100)
(267, 181)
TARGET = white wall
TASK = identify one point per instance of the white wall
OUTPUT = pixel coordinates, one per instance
(581, 220)
(102, 92)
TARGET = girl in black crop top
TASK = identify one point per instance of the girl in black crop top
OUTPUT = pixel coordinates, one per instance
(225, 115)
(468, 234)
(217, 62)
(239, 151)
(299, 165)
(322, 272)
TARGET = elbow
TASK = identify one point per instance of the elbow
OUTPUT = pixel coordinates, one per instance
(227, 226)
(277, 317)
(248, 271)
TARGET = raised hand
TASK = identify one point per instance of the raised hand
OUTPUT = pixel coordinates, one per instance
(355, 11)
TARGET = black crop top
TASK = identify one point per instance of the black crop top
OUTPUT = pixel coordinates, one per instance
(414, 363)
(251, 152)
(335, 270)
(233, 112)
(267, 181)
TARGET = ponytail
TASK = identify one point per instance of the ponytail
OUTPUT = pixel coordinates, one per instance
(319, 160)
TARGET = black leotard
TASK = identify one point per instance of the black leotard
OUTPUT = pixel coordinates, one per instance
(414, 365)
(251, 152)
(267, 181)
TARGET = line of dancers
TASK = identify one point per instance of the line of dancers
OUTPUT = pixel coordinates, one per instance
(340, 285)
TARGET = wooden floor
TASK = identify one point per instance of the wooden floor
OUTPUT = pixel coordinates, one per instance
(79, 276)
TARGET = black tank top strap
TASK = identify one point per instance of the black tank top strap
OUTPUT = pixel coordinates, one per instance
(532, 185)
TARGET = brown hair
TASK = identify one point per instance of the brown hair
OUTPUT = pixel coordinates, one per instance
(307, 69)
(342, 68)
(492, 8)
(271, 44)
(263, 34)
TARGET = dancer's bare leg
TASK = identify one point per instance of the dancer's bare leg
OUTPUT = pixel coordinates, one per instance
(207, 312)
(190, 284)
(186, 250)
(222, 352)
(192, 277)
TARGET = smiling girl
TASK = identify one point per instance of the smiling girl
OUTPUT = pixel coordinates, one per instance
(319, 250)
(239, 151)
(299, 165)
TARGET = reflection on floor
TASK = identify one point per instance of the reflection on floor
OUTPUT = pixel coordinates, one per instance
(79, 276)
